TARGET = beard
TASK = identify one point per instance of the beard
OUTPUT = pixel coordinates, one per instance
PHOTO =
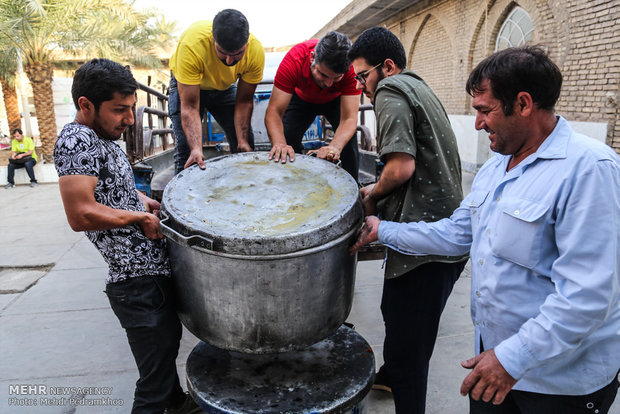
(103, 134)
(381, 75)
(316, 78)
(371, 96)
(232, 64)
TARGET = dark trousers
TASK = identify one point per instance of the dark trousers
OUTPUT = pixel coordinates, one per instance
(523, 402)
(411, 306)
(145, 308)
(298, 117)
(28, 165)
(221, 104)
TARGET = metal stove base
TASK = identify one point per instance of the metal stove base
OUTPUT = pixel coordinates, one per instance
(331, 376)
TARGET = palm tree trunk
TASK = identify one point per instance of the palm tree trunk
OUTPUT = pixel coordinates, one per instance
(10, 104)
(40, 76)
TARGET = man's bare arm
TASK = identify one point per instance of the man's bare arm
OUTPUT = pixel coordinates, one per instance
(278, 102)
(84, 213)
(244, 106)
(189, 96)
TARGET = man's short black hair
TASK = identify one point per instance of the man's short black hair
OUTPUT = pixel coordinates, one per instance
(378, 44)
(17, 130)
(231, 29)
(332, 50)
(99, 79)
(518, 69)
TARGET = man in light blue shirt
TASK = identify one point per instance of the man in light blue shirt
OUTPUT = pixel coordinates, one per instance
(542, 227)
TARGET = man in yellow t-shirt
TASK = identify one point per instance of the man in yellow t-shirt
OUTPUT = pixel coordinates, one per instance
(209, 59)
(23, 155)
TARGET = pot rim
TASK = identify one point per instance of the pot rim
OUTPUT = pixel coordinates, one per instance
(185, 218)
(202, 247)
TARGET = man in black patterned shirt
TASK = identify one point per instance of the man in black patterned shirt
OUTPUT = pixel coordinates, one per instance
(99, 196)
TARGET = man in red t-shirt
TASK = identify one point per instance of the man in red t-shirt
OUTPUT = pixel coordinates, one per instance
(315, 78)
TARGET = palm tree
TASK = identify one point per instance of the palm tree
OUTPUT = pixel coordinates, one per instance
(43, 29)
(8, 66)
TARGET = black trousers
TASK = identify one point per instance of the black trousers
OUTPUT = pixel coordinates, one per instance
(523, 402)
(298, 117)
(145, 308)
(411, 306)
(28, 163)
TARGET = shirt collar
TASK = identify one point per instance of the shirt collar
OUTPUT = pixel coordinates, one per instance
(555, 145)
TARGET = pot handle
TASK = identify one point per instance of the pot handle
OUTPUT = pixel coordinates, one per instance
(193, 240)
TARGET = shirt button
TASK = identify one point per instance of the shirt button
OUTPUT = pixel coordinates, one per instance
(481, 262)
(498, 198)
(517, 212)
(488, 231)
(478, 294)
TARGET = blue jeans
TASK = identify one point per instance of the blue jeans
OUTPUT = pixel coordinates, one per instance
(411, 306)
(145, 308)
(28, 165)
(298, 117)
(221, 104)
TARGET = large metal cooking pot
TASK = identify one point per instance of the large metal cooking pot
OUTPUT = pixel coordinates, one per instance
(259, 250)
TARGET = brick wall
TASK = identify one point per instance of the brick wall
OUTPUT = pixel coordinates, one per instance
(432, 45)
(444, 40)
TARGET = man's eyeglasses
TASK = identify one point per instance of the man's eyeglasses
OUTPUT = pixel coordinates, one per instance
(361, 77)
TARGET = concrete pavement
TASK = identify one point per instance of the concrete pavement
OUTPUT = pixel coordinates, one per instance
(60, 332)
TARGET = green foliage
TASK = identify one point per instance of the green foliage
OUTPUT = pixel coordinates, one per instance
(8, 65)
(45, 31)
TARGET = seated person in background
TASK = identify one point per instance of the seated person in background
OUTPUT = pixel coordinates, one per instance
(23, 154)
(315, 78)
